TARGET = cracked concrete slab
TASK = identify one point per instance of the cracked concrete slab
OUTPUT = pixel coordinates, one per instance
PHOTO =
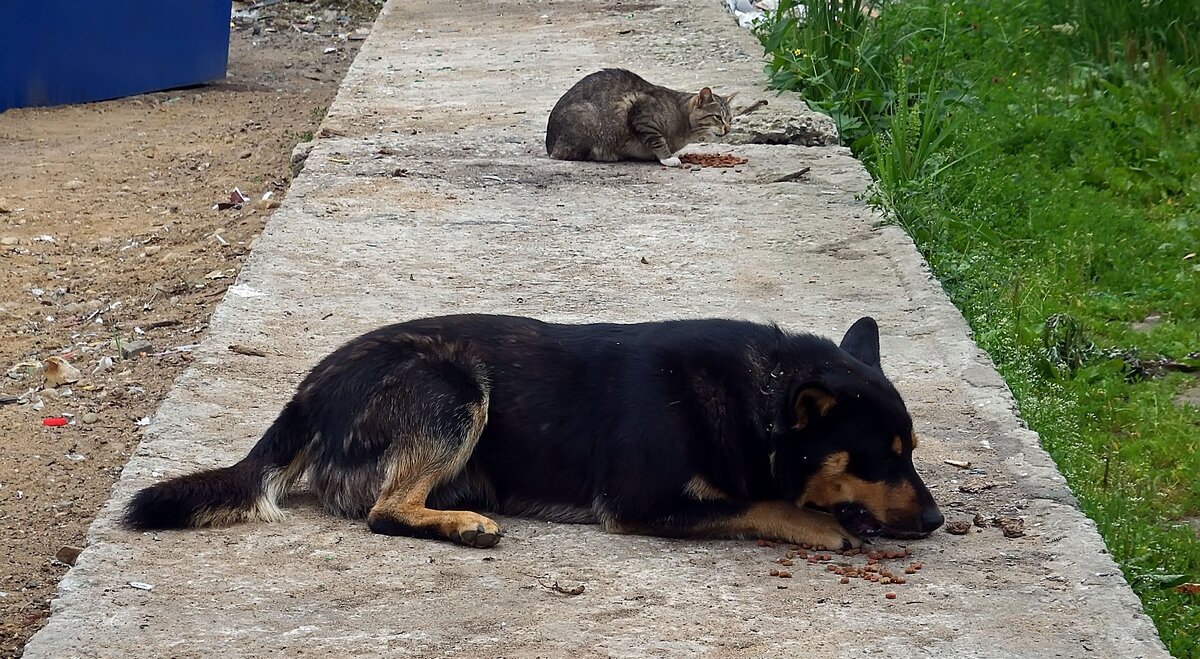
(480, 220)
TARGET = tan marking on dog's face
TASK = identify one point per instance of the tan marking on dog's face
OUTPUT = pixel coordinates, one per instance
(897, 445)
(700, 489)
(894, 504)
(915, 442)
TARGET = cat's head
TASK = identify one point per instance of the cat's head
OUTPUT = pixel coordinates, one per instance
(709, 114)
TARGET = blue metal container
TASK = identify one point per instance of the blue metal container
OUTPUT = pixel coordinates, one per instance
(72, 51)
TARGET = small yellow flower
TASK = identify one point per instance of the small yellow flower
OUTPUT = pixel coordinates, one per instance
(856, 70)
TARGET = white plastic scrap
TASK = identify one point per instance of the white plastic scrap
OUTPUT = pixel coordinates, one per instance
(750, 12)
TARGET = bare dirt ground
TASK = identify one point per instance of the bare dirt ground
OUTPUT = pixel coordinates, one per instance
(108, 237)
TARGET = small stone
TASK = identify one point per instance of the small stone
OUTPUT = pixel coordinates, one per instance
(89, 417)
(1189, 396)
(9, 241)
(245, 154)
(73, 184)
(267, 204)
(135, 349)
(68, 554)
(1148, 323)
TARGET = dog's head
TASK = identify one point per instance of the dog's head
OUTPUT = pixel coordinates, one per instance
(848, 443)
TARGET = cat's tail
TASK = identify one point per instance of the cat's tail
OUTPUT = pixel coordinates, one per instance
(249, 490)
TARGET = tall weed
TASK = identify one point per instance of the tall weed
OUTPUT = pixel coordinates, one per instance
(1133, 31)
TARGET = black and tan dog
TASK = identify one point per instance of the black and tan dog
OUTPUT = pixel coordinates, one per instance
(695, 428)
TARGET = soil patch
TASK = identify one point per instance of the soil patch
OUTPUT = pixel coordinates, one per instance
(113, 258)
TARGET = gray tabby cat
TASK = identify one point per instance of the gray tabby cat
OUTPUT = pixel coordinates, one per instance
(616, 115)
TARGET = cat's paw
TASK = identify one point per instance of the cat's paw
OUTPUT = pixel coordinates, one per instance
(669, 162)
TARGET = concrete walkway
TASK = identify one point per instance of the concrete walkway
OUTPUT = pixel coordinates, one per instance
(458, 96)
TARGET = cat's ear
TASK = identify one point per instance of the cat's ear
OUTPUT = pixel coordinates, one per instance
(730, 98)
(704, 97)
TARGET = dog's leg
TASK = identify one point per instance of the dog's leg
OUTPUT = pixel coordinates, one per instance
(784, 521)
(435, 438)
(767, 520)
(401, 510)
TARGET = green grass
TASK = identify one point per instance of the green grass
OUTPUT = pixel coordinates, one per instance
(1045, 156)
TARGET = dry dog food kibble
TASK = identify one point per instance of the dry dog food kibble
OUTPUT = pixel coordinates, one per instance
(712, 159)
(872, 570)
(958, 527)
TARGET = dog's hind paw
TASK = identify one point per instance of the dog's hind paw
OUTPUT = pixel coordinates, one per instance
(477, 531)
(479, 538)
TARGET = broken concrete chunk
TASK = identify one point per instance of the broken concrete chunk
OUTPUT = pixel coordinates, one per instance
(68, 554)
(135, 349)
(778, 128)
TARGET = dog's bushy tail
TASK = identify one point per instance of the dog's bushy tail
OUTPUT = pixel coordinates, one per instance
(249, 490)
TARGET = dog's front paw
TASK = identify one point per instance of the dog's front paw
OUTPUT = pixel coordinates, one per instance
(831, 535)
(669, 162)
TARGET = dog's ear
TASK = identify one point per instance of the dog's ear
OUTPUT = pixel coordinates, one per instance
(862, 341)
(810, 401)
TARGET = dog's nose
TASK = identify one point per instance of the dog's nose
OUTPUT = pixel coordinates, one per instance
(931, 519)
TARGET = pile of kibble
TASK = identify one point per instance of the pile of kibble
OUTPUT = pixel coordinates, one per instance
(712, 159)
(841, 564)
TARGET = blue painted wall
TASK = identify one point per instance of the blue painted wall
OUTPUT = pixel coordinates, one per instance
(71, 51)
